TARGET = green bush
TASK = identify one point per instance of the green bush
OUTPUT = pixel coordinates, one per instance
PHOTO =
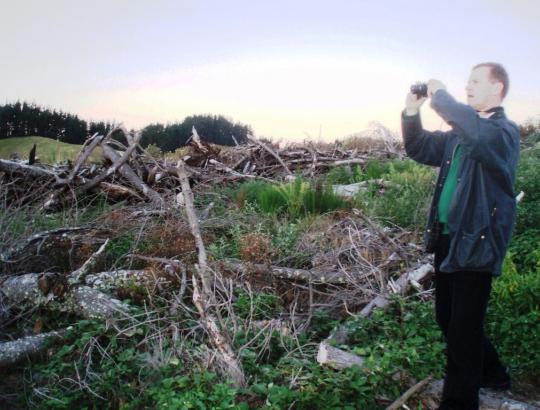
(406, 200)
(372, 169)
(513, 318)
(528, 180)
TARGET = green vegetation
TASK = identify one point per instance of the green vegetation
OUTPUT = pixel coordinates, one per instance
(297, 199)
(403, 198)
(48, 151)
(147, 361)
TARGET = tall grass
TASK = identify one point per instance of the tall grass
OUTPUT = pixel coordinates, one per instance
(296, 199)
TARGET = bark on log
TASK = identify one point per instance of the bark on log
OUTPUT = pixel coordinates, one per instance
(17, 250)
(312, 276)
(14, 351)
(25, 291)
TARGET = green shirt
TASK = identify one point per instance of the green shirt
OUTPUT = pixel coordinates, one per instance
(449, 188)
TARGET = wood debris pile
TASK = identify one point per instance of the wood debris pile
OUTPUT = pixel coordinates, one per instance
(129, 172)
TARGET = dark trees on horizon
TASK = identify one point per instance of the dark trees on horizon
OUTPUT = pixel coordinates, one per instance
(24, 119)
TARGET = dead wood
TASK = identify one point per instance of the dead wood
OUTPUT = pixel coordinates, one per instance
(272, 152)
(134, 180)
(39, 238)
(49, 290)
(117, 160)
(400, 286)
(88, 147)
(313, 276)
(29, 171)
(14, 351)
(118, 191)
(337, 358)
(205, 299)
(407, 395)
(78, 275)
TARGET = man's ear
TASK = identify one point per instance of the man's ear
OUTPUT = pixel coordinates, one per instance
(498, 88)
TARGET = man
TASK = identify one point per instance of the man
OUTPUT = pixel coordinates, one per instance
(470, 220)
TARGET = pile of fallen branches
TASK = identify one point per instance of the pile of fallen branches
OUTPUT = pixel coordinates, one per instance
(129, 172)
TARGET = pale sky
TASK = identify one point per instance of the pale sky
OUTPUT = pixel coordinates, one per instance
(290, 69)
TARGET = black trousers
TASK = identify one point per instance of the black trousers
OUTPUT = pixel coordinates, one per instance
(461, 300)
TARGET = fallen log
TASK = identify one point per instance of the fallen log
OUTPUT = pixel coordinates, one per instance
(15, 251)
(225, 168)
(350, 190)
(204, 300)
(337, 358)
(27, 170)
(14, 351)
(313, 276)
(47, 290)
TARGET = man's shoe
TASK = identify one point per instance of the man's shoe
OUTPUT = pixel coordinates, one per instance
(500, 382)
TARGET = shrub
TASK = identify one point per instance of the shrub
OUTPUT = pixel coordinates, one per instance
(406, 201)
(528, 180)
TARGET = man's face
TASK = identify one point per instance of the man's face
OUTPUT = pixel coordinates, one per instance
(483, 93)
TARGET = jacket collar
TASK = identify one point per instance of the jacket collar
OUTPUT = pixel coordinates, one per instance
(498, 112)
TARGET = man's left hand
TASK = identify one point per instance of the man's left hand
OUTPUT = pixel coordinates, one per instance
(433, 86)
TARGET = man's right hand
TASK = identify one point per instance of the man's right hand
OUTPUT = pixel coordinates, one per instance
(413, 104)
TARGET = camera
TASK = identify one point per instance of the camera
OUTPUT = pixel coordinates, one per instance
(420, 89)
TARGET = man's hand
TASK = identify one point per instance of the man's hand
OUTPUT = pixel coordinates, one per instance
(433, 86)
(413, 104)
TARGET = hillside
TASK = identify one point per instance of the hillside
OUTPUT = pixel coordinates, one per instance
(48, 150)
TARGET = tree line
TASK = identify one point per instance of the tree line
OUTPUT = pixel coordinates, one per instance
(24, 119)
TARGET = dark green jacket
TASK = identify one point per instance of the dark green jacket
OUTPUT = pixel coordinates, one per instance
(482, 213)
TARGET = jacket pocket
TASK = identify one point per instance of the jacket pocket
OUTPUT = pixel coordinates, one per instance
(475, 250)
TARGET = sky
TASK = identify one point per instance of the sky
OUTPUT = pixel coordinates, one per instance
(292, 70)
